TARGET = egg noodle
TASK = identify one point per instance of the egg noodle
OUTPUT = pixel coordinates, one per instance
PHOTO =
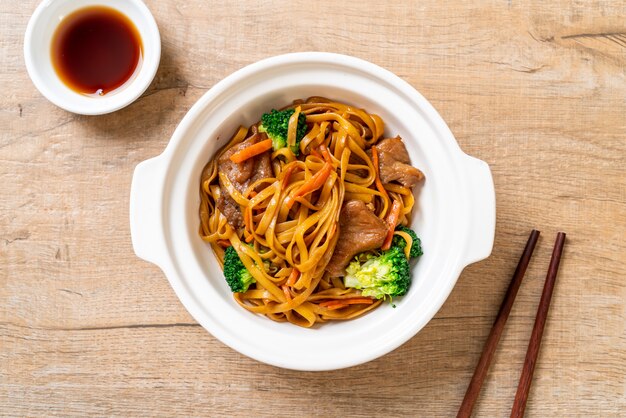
(289, 236)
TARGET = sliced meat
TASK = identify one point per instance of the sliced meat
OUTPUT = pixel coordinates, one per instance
(262, 169)
(230, 209)
(241, 175)
(238, 173)
(359, 230)
(246, 173)
(395, 165)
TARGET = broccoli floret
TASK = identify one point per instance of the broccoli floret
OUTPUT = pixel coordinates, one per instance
(237, 275)
(398, 241)
(387, 274)
(276, 125)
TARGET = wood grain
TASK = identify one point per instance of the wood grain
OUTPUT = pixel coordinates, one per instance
(537, 89)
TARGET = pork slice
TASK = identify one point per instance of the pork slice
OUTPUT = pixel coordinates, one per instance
(394, 163)
(262, 169)
(230, 209)
(239, 173)
(359, 230)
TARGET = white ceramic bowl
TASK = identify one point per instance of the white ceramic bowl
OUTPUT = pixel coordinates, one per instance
(455, 217)
(37, 45)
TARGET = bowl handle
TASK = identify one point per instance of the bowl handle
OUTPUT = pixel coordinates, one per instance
(146, 213)
(483, 210)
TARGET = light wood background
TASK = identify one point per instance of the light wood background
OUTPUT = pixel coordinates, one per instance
(537, 89)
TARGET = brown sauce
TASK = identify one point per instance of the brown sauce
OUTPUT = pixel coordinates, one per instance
(95, 50)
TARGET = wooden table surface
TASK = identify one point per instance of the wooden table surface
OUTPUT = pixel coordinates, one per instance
(538, 90)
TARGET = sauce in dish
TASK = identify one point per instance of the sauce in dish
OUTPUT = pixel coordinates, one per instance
(96, 50)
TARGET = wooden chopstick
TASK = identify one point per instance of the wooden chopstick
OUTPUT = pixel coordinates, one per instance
(473, 390)
(519, 405)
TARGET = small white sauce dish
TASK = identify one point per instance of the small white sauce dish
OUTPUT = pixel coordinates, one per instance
(37, 55)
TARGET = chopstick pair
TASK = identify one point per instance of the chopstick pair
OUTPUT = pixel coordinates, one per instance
(521, 396)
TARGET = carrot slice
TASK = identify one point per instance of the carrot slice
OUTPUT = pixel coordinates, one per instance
(247, 221)
(224, 243)
(392, 221)
(379, 184)
(325, 153)
(286, 292)
(288, 173)
(336, 306)
(316, 181)
(351, 301)
(312, 185)
(251, 151)
(293, 277)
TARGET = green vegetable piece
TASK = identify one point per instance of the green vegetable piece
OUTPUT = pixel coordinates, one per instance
(387, 274)
(398, 241)
(276, 125)
(237, 275)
